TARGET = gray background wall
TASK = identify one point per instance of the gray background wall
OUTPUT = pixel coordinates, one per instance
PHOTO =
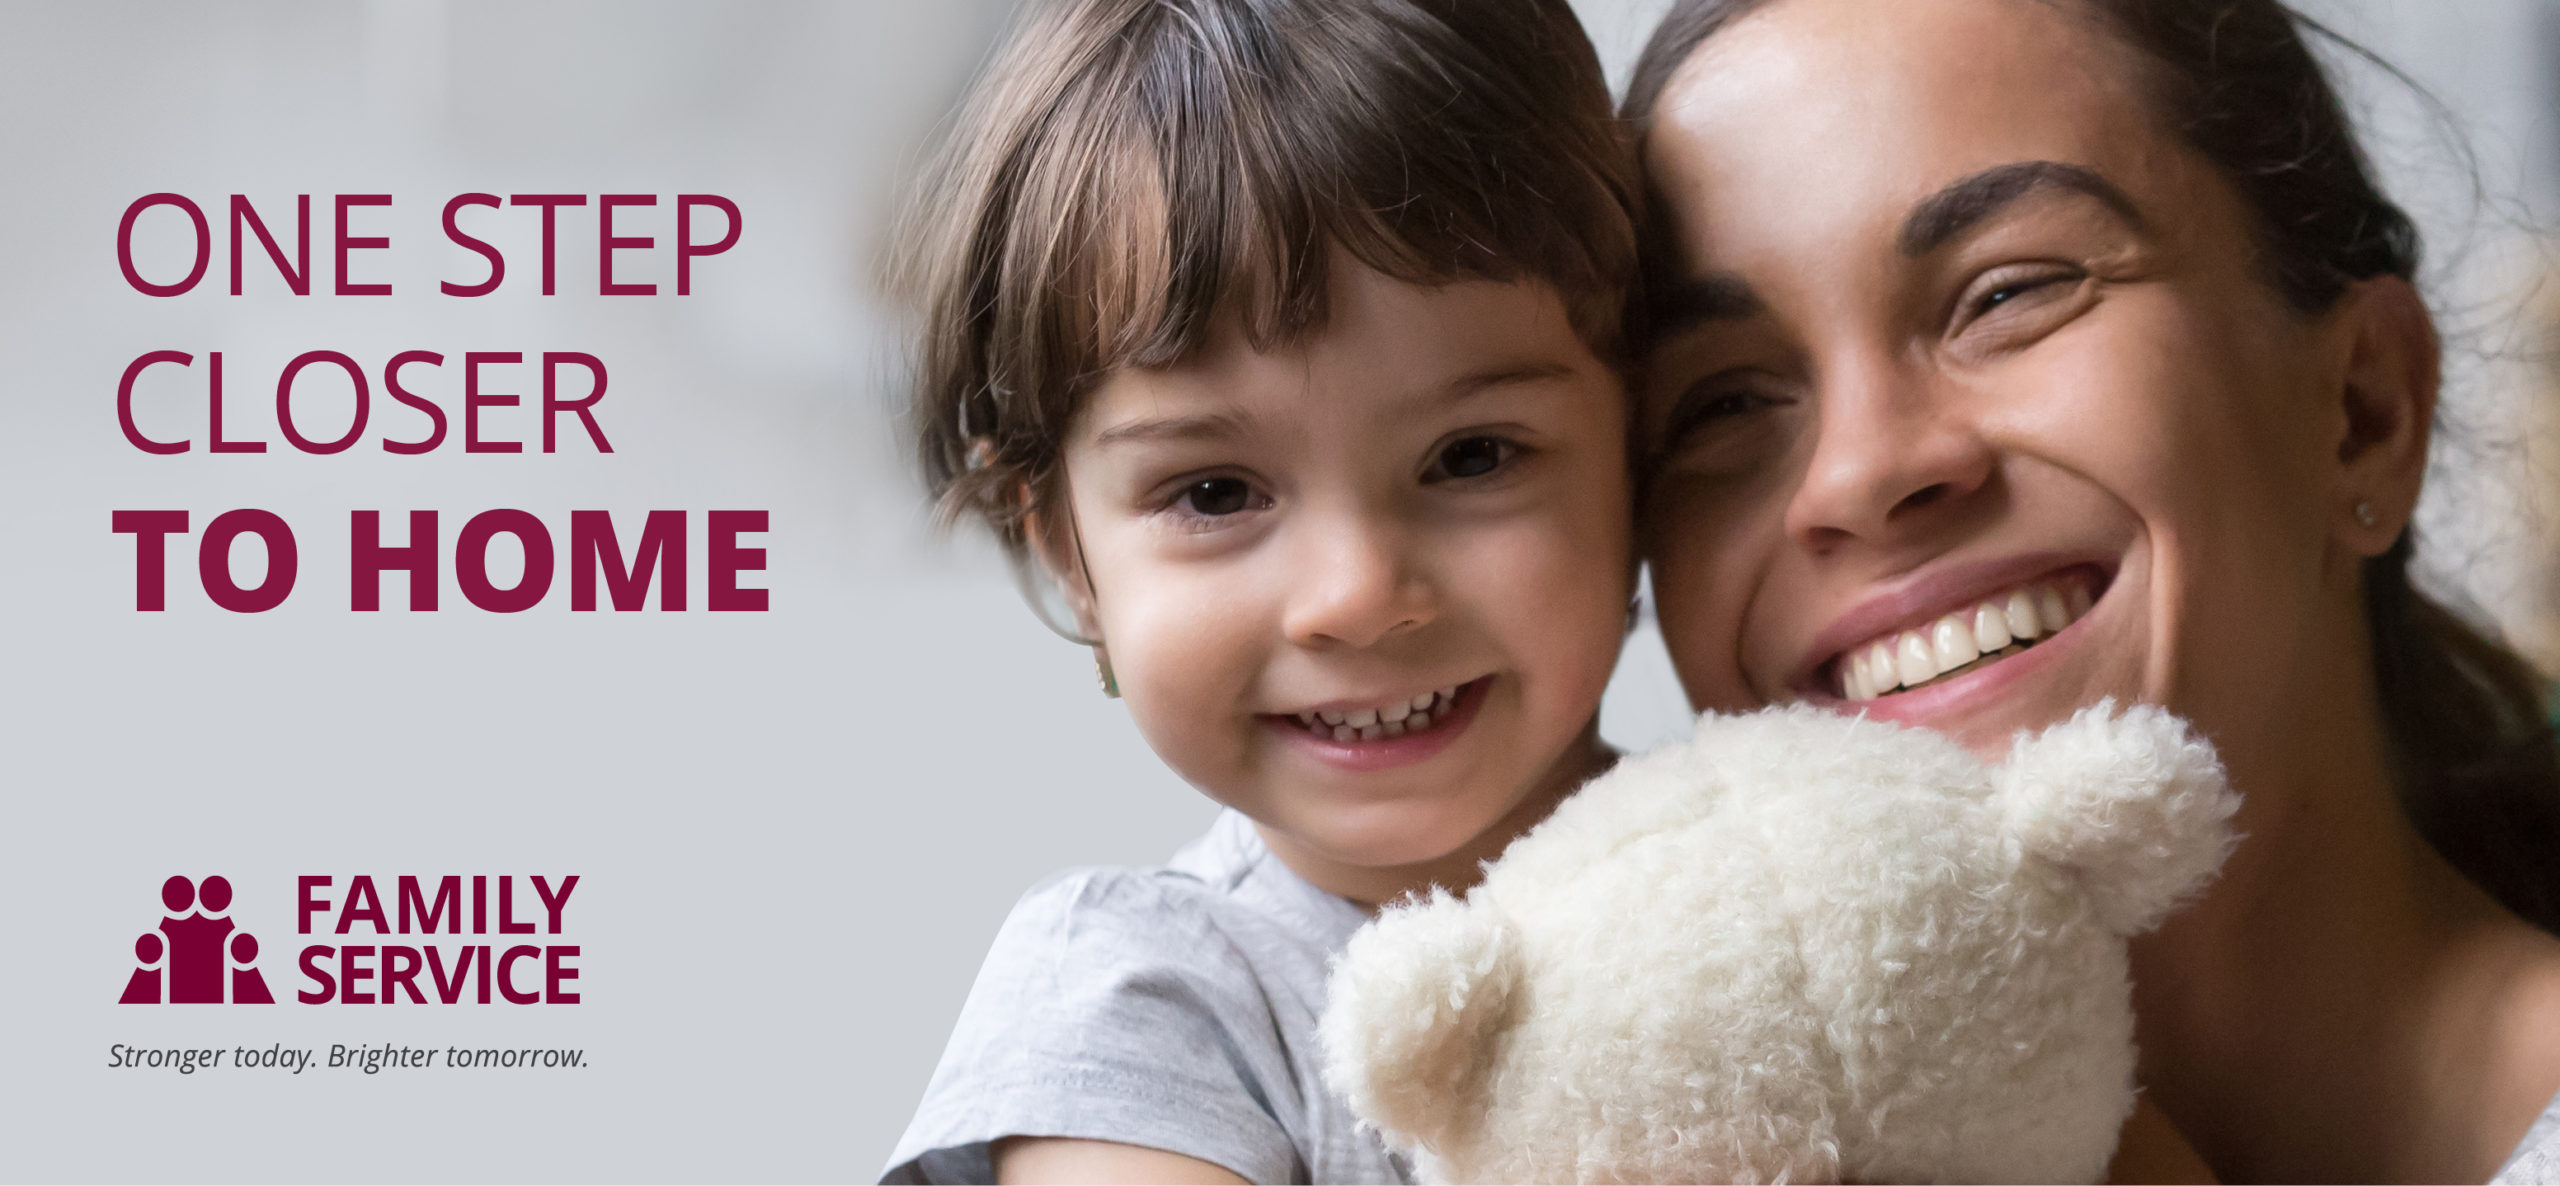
(796, 831)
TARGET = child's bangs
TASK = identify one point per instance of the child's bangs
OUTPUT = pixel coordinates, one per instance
(1184, 199)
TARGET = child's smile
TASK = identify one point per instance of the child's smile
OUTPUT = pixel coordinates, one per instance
(1397, 732)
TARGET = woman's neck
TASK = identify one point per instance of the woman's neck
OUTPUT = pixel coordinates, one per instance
(2343, 1005)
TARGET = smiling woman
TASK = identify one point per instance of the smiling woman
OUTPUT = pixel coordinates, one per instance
(2081, 360)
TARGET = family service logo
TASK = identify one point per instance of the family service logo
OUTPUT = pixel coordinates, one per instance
(194, 972)
(198, 955)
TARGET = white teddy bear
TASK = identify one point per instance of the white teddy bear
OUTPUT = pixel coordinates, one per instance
(1797, 947)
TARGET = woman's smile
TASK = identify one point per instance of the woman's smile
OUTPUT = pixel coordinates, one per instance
(1955, 631)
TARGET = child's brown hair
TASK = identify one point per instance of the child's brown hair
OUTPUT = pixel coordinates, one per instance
(1129, 170)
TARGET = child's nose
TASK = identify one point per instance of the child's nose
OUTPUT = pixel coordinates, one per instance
(1355, 584)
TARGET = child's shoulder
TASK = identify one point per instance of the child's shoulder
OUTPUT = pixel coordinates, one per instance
(1224, 919)
(1225, 886)
(1171, 1007)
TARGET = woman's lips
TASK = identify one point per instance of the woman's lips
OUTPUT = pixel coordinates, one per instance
(1942, 624)
(1978, 692)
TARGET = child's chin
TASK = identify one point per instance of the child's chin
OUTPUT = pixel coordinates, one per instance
(1409, 837)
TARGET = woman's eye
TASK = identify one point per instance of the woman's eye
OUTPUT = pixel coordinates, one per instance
(1216, 497)
(1704, 408)
(2000, 296)
(2018, 291)
(1717, 407)
(1472, 457)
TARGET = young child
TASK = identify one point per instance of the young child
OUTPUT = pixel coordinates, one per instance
(1280, 335)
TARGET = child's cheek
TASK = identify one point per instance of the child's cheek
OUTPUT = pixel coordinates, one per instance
(1554, 586)
(1184, 651)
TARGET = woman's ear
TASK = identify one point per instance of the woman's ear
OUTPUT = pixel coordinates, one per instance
(2392, 377)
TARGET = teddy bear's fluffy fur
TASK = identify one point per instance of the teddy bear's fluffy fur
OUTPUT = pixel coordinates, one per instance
(1798, 946)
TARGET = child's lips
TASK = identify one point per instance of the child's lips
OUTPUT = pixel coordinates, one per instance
(1373, 746)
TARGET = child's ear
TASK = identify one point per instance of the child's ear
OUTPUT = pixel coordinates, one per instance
(1058, 563)
(2389, 403)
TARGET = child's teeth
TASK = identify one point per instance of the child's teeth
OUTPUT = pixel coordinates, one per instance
(2079, 601)
(1392, 720)
(1951, 643)
(2024, 622)
(1990, 628)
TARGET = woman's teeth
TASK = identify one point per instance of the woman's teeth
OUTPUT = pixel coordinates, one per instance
(1987, 633)
(1387, 720)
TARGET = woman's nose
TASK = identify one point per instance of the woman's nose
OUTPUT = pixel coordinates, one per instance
(1893, 452)
(1355, 584)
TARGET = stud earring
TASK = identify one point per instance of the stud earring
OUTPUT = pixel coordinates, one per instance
(2365, 515)
(1102, 669)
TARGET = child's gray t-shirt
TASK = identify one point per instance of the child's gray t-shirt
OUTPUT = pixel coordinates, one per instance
(1173, 1008)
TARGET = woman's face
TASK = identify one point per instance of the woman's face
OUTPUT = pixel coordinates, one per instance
(1973, 407)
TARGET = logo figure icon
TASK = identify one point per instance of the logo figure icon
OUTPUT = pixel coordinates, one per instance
(195, 971)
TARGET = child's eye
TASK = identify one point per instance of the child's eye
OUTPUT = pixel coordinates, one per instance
(1470, 457)
(1216, 497)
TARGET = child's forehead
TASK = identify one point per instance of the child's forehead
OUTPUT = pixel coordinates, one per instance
(1388, 353)
(1396, 324)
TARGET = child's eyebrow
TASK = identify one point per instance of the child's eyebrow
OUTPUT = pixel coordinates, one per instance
(1220, 425)
(1477, 382)
(1201, 426)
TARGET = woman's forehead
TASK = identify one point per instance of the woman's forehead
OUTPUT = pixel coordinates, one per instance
(1833, 118)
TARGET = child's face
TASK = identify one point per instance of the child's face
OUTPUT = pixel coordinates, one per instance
(1426, 495)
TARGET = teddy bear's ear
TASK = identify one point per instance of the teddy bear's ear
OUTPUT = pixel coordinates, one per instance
(1411, 1012)
(2134, 804)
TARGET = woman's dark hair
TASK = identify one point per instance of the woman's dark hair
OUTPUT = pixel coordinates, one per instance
(2477, 768)
(1129, 171)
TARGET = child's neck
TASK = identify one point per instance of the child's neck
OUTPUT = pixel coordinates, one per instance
(1372, 885)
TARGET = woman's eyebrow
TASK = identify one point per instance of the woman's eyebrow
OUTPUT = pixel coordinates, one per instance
(1716, 296)
(1968, 200)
